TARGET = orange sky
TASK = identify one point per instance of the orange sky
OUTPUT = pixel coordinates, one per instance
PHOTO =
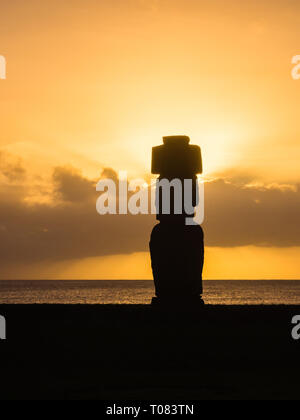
(94, 84)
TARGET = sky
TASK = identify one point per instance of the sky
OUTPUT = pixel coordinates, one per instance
(92, 86)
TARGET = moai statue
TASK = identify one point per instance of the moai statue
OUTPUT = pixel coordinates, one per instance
(176, 247)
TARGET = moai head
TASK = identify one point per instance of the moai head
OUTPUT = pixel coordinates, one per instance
(176, 159)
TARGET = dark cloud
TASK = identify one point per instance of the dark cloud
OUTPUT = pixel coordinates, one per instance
(109, 173)
(239, 215)
(71, 186)
(12, 170)
(71, 228)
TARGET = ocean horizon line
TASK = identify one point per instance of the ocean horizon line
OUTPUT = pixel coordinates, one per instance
(133, 280)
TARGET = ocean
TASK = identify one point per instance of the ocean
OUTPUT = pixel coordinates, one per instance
(226, 292)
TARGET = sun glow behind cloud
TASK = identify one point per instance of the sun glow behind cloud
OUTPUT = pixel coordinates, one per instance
(97, 84)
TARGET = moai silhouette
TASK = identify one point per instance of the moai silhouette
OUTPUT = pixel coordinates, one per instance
(177, 249)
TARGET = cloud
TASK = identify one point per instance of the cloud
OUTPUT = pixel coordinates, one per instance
(252, 215)
(11, 168)
(67, 228)
(71, 186)
(70, 228)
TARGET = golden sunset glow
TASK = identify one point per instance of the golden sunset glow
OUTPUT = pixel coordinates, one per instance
(96, 84)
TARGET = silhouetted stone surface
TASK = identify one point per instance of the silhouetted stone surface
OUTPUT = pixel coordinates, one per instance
(177, 250)
(177, 255)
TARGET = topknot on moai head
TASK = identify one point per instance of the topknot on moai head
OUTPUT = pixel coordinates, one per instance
(176, 158)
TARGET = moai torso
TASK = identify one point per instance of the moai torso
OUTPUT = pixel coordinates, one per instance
(177, 250)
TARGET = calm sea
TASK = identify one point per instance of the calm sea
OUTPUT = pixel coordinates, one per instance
(140, 292)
